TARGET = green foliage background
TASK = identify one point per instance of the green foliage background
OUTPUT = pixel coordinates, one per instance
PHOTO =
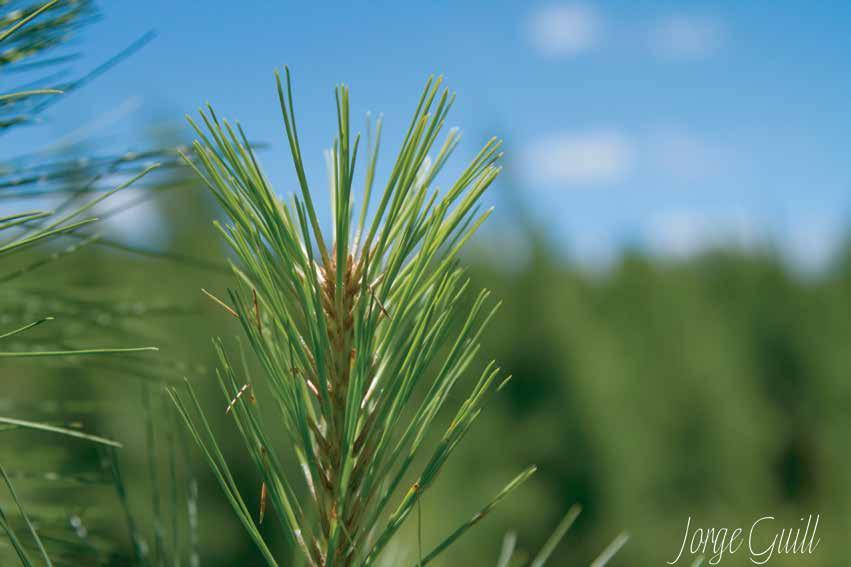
(714, 387)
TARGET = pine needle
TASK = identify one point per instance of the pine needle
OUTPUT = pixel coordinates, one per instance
(60, 430)
(611, 550)
(556, 536)
(26, 518)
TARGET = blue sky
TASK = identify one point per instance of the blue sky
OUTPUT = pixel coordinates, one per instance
(672, 125)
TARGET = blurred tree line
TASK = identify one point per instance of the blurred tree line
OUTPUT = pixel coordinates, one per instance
(714, 387)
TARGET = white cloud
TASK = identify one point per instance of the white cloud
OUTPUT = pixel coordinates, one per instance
(677, 233)
(681, 155)
(141, 222)
(614, 155)
(813, 241)
(564, 31)
(682, 233)
(592, 157)
(810, 242)
(682, 37)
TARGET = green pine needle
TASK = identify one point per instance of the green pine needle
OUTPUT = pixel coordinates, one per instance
(81, 352)
(556, 536)
(23, 424)
(5, 34)
(611, 550)
(26, 518)
(510, 487)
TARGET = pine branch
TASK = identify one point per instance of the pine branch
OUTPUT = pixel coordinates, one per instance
(347, 328)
